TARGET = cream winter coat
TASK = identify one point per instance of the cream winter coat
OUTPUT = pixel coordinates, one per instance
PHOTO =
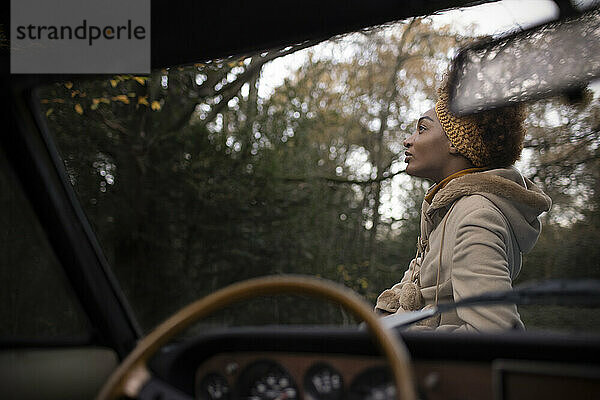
(493, 220)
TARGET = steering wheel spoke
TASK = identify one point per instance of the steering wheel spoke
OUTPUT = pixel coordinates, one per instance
(157, 389)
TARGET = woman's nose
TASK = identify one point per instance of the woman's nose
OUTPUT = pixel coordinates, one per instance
(408, 141)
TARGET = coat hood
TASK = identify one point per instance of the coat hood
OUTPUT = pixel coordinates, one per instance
(519, 199)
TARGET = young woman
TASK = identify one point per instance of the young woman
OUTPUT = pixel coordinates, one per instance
(476, 221)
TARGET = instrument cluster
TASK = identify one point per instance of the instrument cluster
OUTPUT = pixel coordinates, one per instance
(273, 376)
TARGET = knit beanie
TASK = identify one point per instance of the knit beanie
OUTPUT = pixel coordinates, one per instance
(463, 133)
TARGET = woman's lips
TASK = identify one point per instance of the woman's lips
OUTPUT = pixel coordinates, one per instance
(407, 156)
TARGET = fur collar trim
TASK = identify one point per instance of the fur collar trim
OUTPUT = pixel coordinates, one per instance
(485, 182)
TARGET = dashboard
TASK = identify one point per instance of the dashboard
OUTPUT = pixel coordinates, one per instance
(267, 375)
(316, 363)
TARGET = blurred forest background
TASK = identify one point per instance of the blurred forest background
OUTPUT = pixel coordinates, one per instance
(193, 181)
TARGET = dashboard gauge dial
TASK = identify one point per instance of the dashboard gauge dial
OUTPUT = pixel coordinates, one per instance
(373, 384)
(214, 387)
(322, 382)
(266, 380)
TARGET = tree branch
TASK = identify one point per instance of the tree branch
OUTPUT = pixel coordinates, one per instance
(337, 180)
(229, 91)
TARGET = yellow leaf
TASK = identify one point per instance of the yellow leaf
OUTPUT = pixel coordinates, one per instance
(95, 102)
(113, 83)
(141, 80)
(131, 94)
(104, 100)
(122, 98)
(49, 111)
(78, 109)
(74, 93)
(94, 106)
(143, 100)
(68, 85)
(155, 105)
(44, 101)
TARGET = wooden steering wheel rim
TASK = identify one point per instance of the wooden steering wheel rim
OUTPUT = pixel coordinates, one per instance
(132, 373)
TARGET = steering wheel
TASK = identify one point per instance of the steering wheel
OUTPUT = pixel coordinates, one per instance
(133, 375)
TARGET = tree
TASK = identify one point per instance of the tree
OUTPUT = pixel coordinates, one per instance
(355, 113)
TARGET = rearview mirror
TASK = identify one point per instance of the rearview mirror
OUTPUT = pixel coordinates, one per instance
(529, 65)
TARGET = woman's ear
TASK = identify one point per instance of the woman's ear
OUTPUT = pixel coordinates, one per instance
(452, 149)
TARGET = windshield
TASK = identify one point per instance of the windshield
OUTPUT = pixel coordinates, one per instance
(291, 161)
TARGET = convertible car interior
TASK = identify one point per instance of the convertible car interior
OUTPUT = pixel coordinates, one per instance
(73, 328)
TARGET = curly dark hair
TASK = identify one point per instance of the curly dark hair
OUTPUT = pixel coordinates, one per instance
(503, 131)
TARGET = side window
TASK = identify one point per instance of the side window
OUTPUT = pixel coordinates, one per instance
(36, 300)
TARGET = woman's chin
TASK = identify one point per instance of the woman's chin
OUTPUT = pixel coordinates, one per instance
(415, 173)
(410, 171)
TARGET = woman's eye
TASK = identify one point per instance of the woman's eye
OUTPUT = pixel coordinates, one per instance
(421, 128)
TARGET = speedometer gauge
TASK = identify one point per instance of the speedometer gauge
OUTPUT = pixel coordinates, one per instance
(373, 384)
(214, 387)
(322, 382)
(266, 380)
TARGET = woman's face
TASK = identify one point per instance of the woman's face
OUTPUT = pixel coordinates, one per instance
(428, 149)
